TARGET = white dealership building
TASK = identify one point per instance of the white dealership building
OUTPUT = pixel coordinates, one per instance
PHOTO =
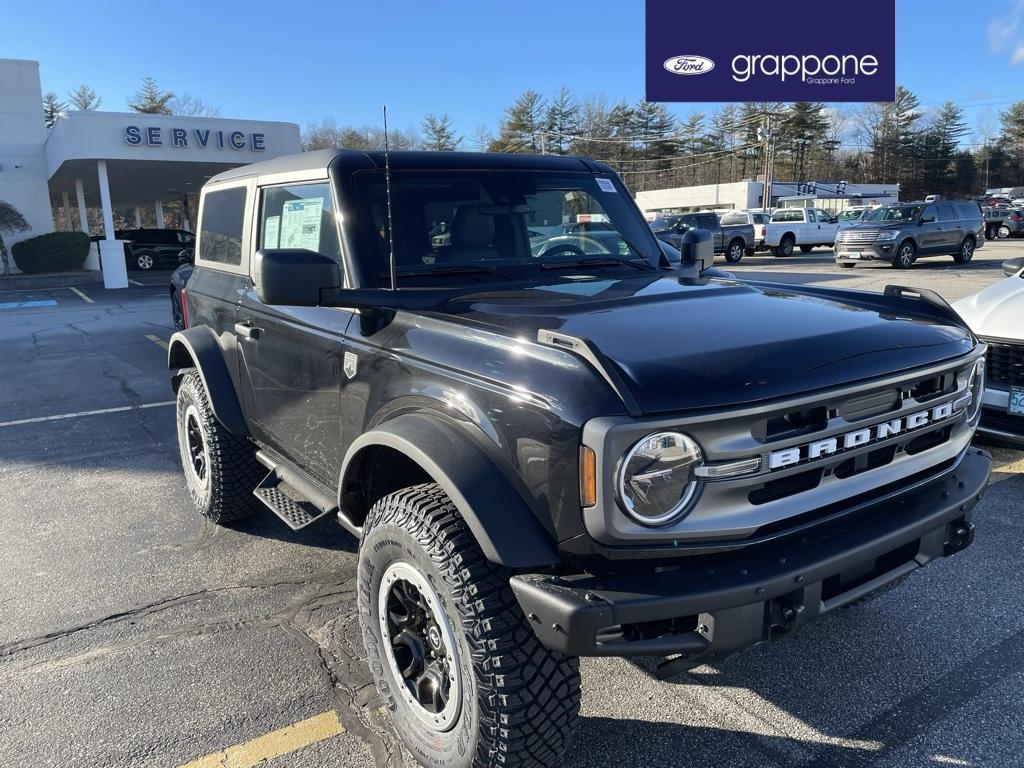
(744, 195)
(113, 159)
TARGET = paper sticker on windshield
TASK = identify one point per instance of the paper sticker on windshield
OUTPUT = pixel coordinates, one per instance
(271, 231)
(300, 223)
(605, 184)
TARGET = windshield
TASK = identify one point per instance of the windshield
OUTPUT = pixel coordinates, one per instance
(850, 215)
(665, 222)
(894, 213)
(509, 223)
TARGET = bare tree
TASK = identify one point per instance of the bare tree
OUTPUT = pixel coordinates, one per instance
(190, 106)
(11, 222)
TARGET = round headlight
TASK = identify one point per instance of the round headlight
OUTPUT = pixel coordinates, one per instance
(655, 480)
(977, 387)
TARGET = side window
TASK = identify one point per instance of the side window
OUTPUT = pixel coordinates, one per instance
(299, 216)
(968, 211)
(947, 213)
(221, 226)
(824, 215)
(810, 215)
(929, 212)
(707, 221)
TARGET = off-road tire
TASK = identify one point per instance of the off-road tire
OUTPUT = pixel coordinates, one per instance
(905, 256)
(806, 248)
(520, 701)
(231, 464)
(966, 252)
(734, 253)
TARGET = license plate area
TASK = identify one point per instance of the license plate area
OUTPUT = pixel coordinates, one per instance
(1016, 404)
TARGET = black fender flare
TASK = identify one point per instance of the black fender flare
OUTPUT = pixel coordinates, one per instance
(500, 520)
(198, 348)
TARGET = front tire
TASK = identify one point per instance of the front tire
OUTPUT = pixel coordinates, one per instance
(734, 253)
(463, 635)
(905, 256)
(221, 470)
(966, 252)
(1003, 232)
(144, 261)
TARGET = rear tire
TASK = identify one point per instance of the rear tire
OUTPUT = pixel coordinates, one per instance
(846, 265)
(786, 245)
(966, 252)
(518, 701)
(905, 256)
(144, 261)
(734, 253)
(991, 232)
(1003, 232)
(221, 470)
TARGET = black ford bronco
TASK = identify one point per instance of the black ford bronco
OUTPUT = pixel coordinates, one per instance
(555, 441)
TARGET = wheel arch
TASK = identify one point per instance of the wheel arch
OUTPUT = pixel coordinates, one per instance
(417, 447)
(198, 348)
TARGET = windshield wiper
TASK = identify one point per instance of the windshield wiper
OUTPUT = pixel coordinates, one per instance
(599, 261)
(456, 269)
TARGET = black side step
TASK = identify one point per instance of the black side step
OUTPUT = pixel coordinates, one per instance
(296, 502)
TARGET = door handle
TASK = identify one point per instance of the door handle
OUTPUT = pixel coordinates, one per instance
(246, 331)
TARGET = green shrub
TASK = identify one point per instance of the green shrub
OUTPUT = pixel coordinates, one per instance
(52, 252)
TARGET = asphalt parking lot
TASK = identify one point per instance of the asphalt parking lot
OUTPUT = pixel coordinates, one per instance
(134, 634)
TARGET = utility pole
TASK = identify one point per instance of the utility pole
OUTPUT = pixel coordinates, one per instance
(766, 134)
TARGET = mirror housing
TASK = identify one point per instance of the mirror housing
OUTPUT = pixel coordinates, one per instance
(927, 220)
(1012, 266)
(697, 247)
(293, 276)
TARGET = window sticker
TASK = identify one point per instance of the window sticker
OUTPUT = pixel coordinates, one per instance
(300, 223)
(605, 184)
(272, 232)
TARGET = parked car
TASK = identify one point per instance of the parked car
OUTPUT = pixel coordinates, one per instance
(1003, 222)
(547, 457)
(147, 249)
(803, 227)
(733, 240)
(996, 314)
(851, 216)
(902, 233)
(757, 219)
(178, 281)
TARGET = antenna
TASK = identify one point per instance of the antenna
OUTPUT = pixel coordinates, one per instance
(387, 193)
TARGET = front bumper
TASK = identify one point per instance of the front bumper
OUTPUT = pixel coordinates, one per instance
(882, 250)
(709, 608)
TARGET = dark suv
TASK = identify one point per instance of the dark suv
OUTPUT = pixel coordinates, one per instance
(147, 249)
(546, 451)
(900, 234)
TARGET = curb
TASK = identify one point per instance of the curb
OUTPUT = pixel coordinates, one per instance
(21, 282)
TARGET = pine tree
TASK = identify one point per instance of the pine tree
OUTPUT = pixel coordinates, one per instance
(653, 128)
(561, 122)
(11, 222)
(439, 133)
(524, 121)
(52, 106)
(150, 100)
(84, 98)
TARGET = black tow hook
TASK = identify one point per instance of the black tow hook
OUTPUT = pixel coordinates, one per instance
(784, 618)
(960, 536)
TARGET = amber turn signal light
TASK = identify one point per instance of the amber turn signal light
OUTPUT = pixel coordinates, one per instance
(588, 477)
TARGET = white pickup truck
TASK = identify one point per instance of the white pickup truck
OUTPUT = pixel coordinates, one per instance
(803, 227)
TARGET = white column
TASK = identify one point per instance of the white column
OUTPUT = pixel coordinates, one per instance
(138, 217)
(115, 269)
(67, 212)
(159, 205)
(92, 261)
(83, 216)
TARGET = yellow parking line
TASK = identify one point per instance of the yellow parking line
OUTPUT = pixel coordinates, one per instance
(274, 744)
(81, 295)
(157, 340)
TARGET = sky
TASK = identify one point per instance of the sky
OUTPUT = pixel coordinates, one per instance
(302, 62)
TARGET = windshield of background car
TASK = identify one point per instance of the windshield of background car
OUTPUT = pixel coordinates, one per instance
(502, 221)
(894, 213)
(849, 215)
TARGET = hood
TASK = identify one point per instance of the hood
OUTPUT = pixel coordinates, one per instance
(997, 311)
(682, 344)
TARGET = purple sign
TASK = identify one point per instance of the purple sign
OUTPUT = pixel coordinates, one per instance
(752, 51)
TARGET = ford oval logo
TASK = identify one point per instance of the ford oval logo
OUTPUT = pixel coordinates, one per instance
(689, 65)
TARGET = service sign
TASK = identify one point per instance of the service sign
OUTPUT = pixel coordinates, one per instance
(747, 50)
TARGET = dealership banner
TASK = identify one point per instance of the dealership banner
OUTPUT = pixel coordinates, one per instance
(749, 50)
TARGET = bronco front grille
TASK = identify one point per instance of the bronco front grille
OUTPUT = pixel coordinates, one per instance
(1005, 364)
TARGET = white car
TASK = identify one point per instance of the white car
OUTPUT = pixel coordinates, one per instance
(996, 314)
(803, 227)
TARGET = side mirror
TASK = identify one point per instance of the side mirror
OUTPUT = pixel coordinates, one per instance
(1012, 266)
(698, 247)
(293, 276)
(927, 219)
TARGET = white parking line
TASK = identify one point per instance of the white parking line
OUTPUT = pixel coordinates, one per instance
(58, 417)
(81, 295)
(136, 282)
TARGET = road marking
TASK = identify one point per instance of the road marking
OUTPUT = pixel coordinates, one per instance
(26, 304)
(274, 744)
(81, 295)
(1006, 465)
(136, 282)
(100, 412)
(157, 340)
